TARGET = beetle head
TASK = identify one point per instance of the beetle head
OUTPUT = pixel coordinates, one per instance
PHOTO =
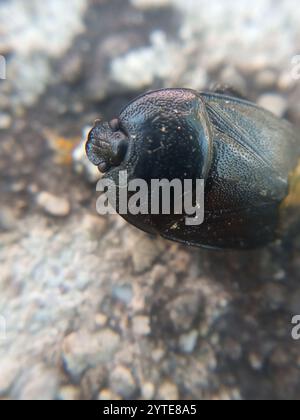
(107, 145)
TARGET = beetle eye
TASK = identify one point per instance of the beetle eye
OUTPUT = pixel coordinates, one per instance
(114, 124)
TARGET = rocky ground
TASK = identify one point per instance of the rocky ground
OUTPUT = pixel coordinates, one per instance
(95, 309)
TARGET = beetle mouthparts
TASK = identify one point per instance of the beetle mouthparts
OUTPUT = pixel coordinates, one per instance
(107, 145)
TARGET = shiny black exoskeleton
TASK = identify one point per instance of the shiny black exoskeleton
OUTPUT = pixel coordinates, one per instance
(243, 152)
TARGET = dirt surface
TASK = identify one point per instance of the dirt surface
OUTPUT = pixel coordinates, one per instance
(95, 309)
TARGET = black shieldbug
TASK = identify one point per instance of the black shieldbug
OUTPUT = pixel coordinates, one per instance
(245, 154)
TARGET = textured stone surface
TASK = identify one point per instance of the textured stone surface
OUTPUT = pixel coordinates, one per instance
(92, 307)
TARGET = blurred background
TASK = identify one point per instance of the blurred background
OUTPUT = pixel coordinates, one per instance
(91, 308)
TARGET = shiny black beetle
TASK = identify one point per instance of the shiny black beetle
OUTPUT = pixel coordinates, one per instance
(244, 153)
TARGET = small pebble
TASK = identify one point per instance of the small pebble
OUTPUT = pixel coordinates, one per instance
(141, 325)
(53, 205)
(122, 382)
(280, 357)
(184, 310)
(158, 354)
(168, 391)
(18, 186)
(123, 293)
(286, 81)
(188, 341)
(83, 350)
(108, 395)
(146, 4)
(5, 121)
(8, 219)
(280, 275)
(69, 393)
(144, 252)
(265, 79)
(100, 320)
(148, 390)
(273, 103)
(255, 361)
(231, 77)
